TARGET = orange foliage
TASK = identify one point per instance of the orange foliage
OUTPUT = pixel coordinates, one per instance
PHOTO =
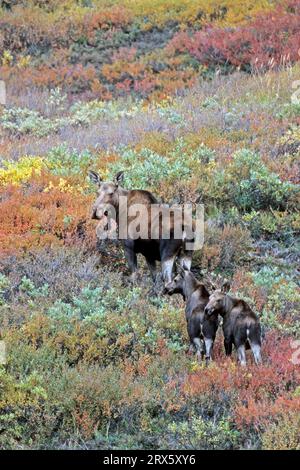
(117, 16)
(31, 217)
(75, 78)
(260, 393)
(261, 413)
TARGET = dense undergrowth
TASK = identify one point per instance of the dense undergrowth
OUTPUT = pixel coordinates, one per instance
(142, 48)
(160, 90)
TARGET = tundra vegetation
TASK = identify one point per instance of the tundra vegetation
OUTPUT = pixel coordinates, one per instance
(193, 100)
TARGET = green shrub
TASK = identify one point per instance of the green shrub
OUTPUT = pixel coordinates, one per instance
(289, 110)
(20, 121)
(282, 307)
(21, 402)
(252, 186)
(63, 161)
(147, 169)
(4, 286)
(198, 433)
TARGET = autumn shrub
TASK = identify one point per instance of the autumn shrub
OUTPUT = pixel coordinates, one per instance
(225, 248)
(189, 12)
(283, 435)
(259, 395)
(22, 121)
(258, 44)
(75, 79)
(43, 215)
(290, 141)
(107, 358)
(272, 224)
(62, 272)
(148, 169)
(21, 403)
(200, 434)
(21, 171)
(93, 35)
(159, 171)
(282, 307)
(95, 308)
(250, 185)
(63, 161)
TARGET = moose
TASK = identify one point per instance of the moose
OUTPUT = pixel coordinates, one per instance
(202, 328)
(153, 248)
(241, 326)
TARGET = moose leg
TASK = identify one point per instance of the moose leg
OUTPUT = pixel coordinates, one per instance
(255, 348)
(191, 349)
(228, 347)
(196, 344)
(131, 259)
(167, 269)
(199, 348)
(169, 250)
(152, 267)
(208, 349)
(241, 354)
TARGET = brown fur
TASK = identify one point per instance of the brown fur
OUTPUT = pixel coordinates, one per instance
(241, 326)
(154, 249)
(201, 328)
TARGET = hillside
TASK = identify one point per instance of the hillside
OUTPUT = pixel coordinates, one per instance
(195, 101)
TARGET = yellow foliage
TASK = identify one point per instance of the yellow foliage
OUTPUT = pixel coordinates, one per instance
(158, 12)
(7, 58)
(24, 61)
(283, 435)
(64, 187)
(19, 393)
(291, 136)
(226, 12)
(20, 171)
(155, 141)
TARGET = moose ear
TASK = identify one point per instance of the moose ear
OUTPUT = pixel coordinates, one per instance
(180, 270)
(225, 287)
(95, 177)
(119, 177)
(185, 267)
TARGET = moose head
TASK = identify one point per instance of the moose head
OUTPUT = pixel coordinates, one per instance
(217, 300)
(108, 194)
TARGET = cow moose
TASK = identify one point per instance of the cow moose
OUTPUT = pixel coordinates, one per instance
(202, 328)
(241, 326)
(152, 248)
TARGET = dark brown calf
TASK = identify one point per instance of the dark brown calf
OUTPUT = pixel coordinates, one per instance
(153, 248)
(241, 326)
(201, 327)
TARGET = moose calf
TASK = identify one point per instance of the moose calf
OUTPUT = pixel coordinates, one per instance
(201, 328)
(241, 326)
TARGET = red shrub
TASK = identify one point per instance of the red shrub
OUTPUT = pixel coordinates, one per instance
(258, 394)
(264, 42)
(259, 414)
(31, 217)
(75, 78)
